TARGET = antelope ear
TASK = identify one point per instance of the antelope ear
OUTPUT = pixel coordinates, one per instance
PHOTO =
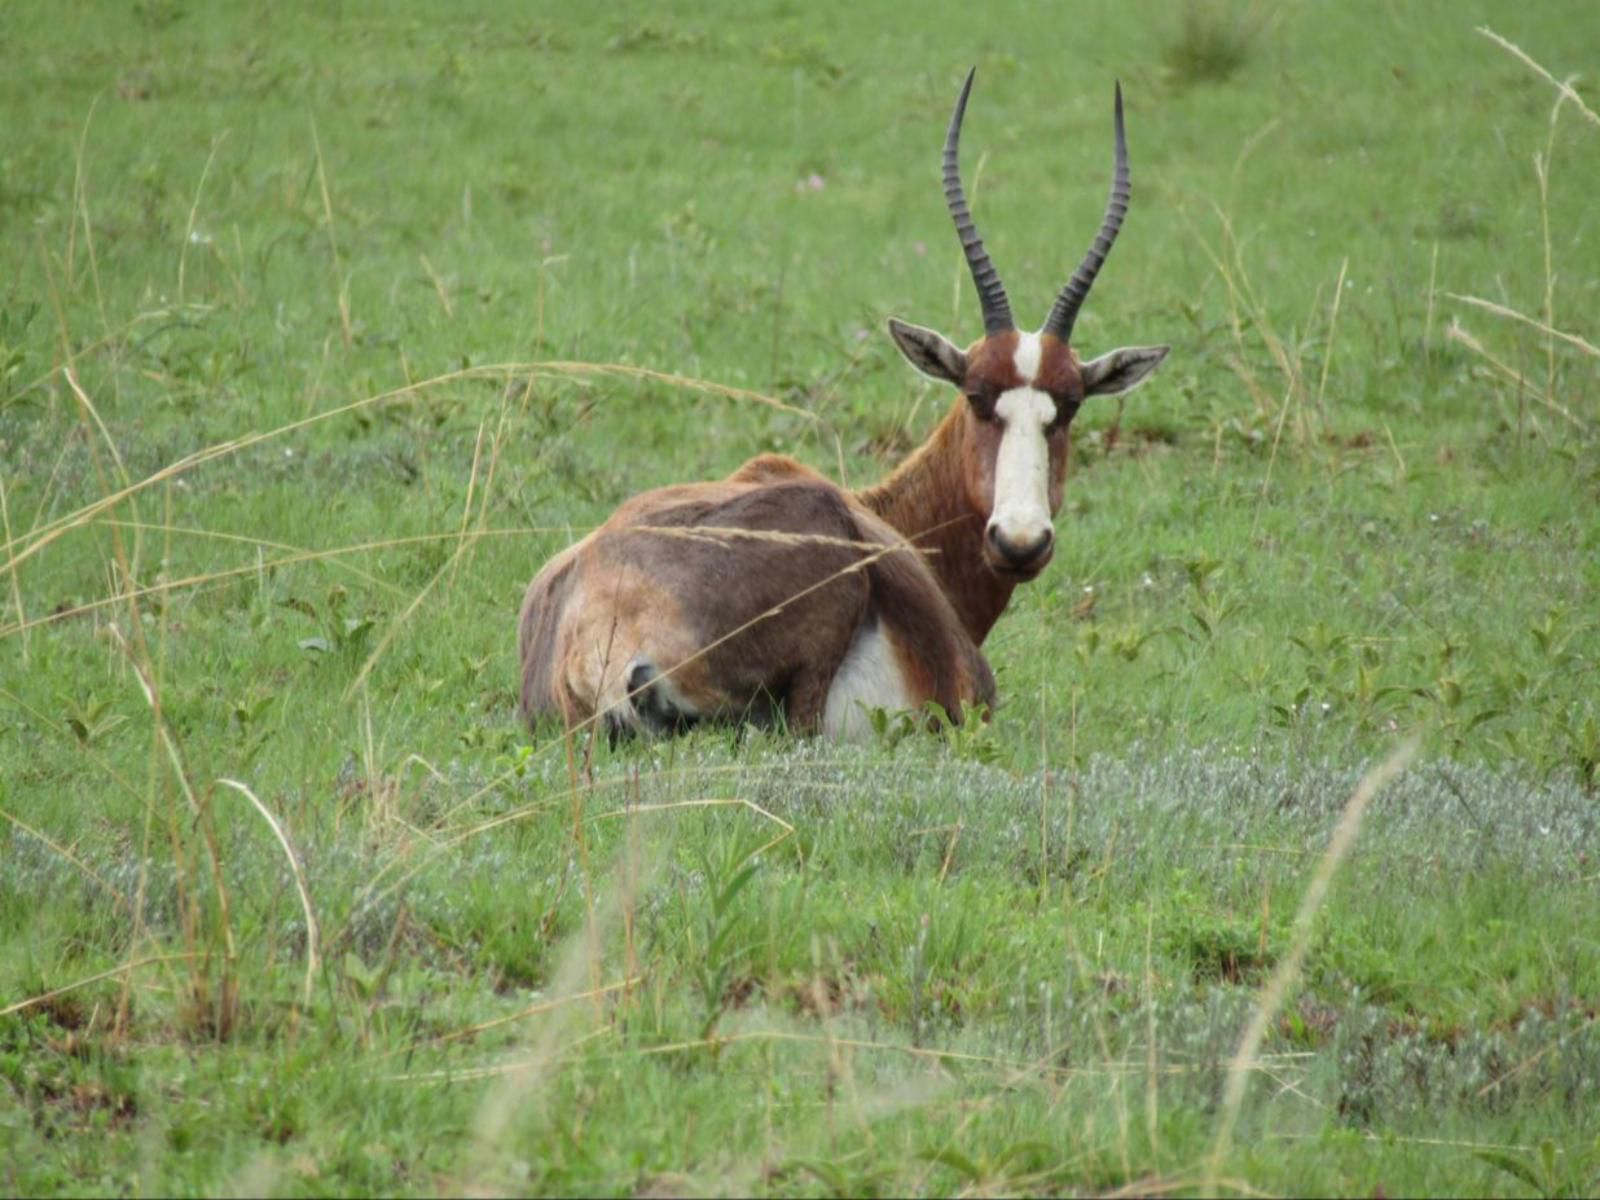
(929, 352)
(1121, 370)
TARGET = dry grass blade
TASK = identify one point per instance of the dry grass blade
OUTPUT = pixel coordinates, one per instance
(200, 811)
(922, 1053)
(1500, 310)
(194, 213)
(39, 538)
(721, 534)
(16, 584)
(1152, 1086)
(299, 880)
(69, 262)
(371, 895)
(550, 1040)
(466, 540)
(340, 283)
(43, 535)
(1246, 149)
(112, 336)
(466, 505)
(1517, 379)
(393, 631)
(290, 559)
(533, 1010)
(1288, 970)
(71, 376)
(1526, 1065)
(256, 542)
(80, 189)
(624, 371)
(1013, 1072)
(1388, 1137)
(1522, 56)
(439, 288)
(113, 973)
(730, 802)
(1333, 328)
(72, 858)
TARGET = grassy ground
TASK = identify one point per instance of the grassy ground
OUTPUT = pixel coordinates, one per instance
(271, 494)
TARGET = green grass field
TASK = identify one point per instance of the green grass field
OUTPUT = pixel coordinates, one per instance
(322, 327)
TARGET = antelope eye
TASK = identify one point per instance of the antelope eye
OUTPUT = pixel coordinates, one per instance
(982, 405)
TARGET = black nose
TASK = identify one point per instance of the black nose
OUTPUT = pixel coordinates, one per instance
(1020, 554)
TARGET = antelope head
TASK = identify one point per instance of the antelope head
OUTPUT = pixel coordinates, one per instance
(1022, 389)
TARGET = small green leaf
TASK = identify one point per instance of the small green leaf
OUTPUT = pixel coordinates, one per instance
(830, 1176)
(956, 1161)
(1547, 1155)
(733, 887)
(359, 973)
(1016, 1150)
(1511, 1166)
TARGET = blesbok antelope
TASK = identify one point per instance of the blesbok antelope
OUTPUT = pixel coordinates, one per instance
(775, 592)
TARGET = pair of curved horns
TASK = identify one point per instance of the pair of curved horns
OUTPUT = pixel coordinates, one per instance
(997, 316)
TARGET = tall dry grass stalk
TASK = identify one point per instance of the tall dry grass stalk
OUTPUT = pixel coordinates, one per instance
(291, 556)
(64, 852)
(194, 215)
(1512, 377)
(1288, 406)
(1287, 972)
(1511, 314)
(89, 980)
(1562, 86)
(552, 1026)
(1546, 323)
(19, 550)
(1333, 329)
(80, 215)
(16, 583)
(213, 1010)
(340, 279)
(213, 1014)
(300, 886)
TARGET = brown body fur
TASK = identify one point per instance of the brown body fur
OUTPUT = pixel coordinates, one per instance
(740, 626)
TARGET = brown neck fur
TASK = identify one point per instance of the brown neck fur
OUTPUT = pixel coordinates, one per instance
(925, 498)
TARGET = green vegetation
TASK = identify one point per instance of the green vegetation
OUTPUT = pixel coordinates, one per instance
(322, 327)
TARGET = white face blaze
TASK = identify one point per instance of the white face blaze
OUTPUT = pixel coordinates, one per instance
(1022, 467)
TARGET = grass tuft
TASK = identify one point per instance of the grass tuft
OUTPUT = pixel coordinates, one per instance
(1214, 41)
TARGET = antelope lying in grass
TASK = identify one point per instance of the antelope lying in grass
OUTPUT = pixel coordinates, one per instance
(774, 594)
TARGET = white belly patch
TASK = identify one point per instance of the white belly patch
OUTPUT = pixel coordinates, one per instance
(869, 678)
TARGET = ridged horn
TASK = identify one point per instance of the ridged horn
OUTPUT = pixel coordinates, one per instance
(991, 292)
(1065, 312)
